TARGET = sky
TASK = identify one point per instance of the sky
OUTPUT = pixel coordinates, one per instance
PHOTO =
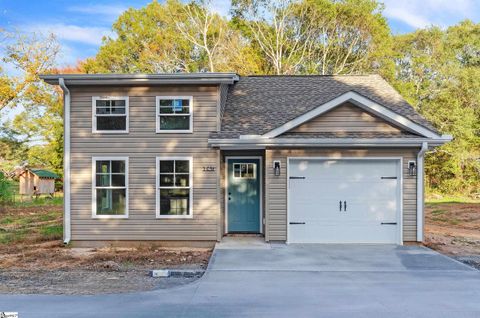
(80, 25)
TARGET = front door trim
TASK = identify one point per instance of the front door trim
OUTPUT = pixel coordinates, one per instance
(259, 174)
(399, 193)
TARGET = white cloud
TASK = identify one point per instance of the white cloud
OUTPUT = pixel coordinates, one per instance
(406, 16)
(110, 11)
(421, 13)
(74, 33)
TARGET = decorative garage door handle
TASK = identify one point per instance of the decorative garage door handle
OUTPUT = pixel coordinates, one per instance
(297, 177)
(388, 223)
(297, 222)
(388, 177)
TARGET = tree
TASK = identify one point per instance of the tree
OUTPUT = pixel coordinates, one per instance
(282, 34)
(438, 72)
(30, 55)
(146, 41)
(349, 36)
(205, 30)
(316, 36)
(35, 134)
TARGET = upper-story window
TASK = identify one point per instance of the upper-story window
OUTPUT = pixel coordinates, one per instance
(110, 114)
(174, 114)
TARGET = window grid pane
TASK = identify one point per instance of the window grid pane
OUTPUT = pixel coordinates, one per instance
(111, 115)
(111, 191)
(174, 114)
(174, 187)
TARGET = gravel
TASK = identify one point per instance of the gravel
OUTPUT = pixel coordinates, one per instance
(84, 282)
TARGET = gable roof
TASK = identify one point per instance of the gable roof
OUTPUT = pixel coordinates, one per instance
(256, 105)
(44, 174)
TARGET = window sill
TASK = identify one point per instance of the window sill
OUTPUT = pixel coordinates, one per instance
(109, 216)
(174, 132)
(109, 132)
(174, 216)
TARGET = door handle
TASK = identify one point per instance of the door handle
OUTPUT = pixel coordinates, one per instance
(296, 223)
(340, 205)
(388, 223)
(345, 206)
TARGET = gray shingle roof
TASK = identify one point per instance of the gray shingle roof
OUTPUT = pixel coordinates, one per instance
(258, 104)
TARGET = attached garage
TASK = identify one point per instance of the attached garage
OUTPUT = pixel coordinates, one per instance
(346, 200)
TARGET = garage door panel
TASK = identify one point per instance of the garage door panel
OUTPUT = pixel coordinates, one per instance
(369, 208)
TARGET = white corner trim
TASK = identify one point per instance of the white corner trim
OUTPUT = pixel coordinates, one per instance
(94, 115)
(94, 188)
(157, 115)
(157, 188)
(420, 190)
(66, 163)
(362, 102)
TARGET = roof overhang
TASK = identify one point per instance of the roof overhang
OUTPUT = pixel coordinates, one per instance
(262, 142)
(362, 102)
(142, 79)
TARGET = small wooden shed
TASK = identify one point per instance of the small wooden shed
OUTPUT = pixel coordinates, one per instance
(37, 181)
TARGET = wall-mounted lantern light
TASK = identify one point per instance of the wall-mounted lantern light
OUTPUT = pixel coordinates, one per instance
(412, 168)
(276, 168)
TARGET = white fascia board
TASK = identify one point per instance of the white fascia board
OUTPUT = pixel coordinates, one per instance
(362, 102)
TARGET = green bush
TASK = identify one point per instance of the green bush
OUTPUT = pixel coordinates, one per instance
(6, 191)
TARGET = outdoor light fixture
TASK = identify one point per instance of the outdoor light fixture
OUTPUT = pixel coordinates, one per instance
(276, 168)
(412, 168)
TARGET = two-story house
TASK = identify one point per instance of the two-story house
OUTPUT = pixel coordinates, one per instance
(189, 158)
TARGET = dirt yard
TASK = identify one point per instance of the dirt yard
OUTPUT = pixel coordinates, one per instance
(34, 260)
(454, 229)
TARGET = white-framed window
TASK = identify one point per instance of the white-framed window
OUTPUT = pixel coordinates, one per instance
(110, 114)
(110, 187)
(174, 114)
(174, 187)
(244, 171)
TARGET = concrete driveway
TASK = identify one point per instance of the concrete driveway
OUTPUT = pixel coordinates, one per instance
(293, 281)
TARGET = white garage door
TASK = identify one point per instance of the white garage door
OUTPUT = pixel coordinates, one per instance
(344, 201)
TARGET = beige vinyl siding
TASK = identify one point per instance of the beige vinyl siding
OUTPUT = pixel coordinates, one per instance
(345, 118)
(276, 187)
(142, 144)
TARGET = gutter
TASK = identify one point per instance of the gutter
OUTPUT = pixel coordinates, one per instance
(142, 79)
(420, 190)
(66, 162)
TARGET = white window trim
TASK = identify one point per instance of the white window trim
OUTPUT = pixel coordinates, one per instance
(94, 115)
(94, 189)
(157, 115)
(157, 188)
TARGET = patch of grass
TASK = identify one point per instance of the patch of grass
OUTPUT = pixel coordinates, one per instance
(453, 221)
(451, 199)
(58, 200)
(25, 220)
(10, 237)
(51, 232)
(7, 220)
(438, 212)
(49, 216)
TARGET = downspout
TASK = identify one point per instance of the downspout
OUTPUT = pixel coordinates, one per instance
(66, 162)
(420, 191)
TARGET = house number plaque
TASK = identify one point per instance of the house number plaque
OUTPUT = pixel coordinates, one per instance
(209, 168)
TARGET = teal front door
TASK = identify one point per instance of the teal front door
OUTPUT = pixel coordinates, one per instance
(243, 195)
